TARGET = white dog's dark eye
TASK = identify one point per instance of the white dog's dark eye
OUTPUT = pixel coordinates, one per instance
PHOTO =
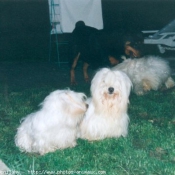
(84, 98)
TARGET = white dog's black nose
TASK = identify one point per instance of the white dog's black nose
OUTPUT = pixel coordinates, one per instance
(87, 106)
(110, 90)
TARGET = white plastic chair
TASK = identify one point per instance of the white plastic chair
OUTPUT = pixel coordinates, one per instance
(164, 38)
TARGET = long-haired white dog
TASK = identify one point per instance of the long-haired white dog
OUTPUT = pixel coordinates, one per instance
(107, 112)
(55, 125)
(147, 73)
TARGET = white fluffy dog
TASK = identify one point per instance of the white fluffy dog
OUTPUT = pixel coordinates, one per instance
(147, 73)
(54, 126)
(107, 112)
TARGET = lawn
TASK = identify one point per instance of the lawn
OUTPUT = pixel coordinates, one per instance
(148, 149)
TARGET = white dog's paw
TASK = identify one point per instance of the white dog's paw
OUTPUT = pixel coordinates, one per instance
(91, 137)
(140, 93)
(169, 83)
(73, 144)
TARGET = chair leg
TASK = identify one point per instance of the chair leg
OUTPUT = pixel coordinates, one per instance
(57, 45)
(50, 48)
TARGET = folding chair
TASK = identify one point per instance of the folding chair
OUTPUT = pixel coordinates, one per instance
(164, 38)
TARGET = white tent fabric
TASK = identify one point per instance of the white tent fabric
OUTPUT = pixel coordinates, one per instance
(65, 13)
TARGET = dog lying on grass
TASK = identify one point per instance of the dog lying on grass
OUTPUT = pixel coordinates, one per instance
(107, 112)
(147, 73)
(55, 125)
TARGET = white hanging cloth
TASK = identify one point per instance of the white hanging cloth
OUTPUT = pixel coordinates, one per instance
(65, 13)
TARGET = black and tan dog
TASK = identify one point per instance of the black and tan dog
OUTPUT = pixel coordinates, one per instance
(85, 46)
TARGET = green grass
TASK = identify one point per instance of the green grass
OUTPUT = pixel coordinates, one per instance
(149, 148)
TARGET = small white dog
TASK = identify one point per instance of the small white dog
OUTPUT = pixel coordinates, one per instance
(147, 73)
(107, 112)
(55, 125)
